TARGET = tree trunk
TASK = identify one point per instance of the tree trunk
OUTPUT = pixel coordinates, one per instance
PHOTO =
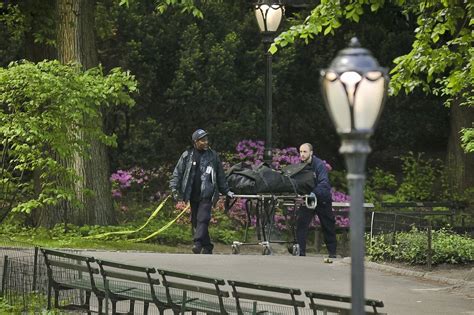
(76, 43)
(460, 164)
(36, 52)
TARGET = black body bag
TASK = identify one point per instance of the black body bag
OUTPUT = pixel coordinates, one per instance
(245, 180)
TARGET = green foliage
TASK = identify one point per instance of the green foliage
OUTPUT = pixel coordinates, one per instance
(226, 230)
(338, 180)
(421, 177)
(185, 6)
(35, 306)
(380, 248)
(452, 248)
(44, 107)
(467, 139)
(176, 234)
(441, 57)
(411, 247)
(380, 185)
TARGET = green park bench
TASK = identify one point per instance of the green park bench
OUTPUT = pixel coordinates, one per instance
(200, 293)
(67, 271)
(277, 299)
(132, 283)
(337, 304)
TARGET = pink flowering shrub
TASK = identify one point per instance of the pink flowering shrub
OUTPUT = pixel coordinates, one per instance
(138, 184)
(252, 151)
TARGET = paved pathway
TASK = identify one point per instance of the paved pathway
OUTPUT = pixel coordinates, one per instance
(401, 294)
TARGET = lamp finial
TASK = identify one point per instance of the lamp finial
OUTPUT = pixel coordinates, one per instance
(354, 43)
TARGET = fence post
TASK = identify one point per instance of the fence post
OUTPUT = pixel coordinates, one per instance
(394, 228)
(372, 217)
(35, 269)
(4, 275)
(428, 256)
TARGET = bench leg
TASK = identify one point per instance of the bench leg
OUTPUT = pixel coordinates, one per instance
(132, 306)
(88, 302)
(56, 298)
(114, 307)
(99, 302)
(50, 291)
(145, 308)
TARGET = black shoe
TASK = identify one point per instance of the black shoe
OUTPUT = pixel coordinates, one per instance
(196, 249)
(332, 256)
(207, 251)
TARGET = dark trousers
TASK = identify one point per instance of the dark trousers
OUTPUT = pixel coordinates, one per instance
(200, 218)
(328, 225)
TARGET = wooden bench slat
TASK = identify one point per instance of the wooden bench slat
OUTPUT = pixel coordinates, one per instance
(67, 265)
(119, 265)
(190, 276)
(130, 277)
(195, 288)
(340, 298)
(253, 292)
(265, 287)
(317, 300)
(348, 204)
(67, 255)
(270, 299)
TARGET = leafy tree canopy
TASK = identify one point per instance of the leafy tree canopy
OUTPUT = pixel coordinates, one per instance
(43, 107)
(442, 55)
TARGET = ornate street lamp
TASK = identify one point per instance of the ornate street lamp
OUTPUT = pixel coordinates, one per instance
(269, 15)
(355, 87)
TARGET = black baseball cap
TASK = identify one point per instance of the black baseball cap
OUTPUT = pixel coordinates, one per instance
(198, 134)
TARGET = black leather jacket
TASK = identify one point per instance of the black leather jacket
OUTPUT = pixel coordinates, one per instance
(212, 178)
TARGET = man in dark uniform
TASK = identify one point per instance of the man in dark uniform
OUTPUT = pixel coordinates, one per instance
(322, 195)
(198, 178)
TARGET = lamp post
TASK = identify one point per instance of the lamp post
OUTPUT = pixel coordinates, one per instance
(354, 87)
(269, 15)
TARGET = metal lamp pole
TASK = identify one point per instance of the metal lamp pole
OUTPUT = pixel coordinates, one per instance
(354, 87)
(355, 148)
(267, 155)
(269, 15)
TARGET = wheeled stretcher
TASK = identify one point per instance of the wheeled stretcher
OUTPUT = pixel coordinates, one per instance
(264, 207)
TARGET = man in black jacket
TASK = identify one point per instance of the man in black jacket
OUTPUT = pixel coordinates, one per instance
(198, 178)
(322, 195)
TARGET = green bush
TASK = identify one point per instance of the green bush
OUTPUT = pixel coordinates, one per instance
(380, 248)
(37, 305)
(412, 247)
(452, 248)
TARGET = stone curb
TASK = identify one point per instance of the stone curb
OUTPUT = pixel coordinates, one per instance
(412, 273)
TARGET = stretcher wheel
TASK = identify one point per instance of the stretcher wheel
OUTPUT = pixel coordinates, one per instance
(295, 250)
(235, 249)
(267, 250)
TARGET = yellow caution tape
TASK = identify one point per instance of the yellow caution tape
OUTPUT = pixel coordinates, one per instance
(164, 228)
(152, 216)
